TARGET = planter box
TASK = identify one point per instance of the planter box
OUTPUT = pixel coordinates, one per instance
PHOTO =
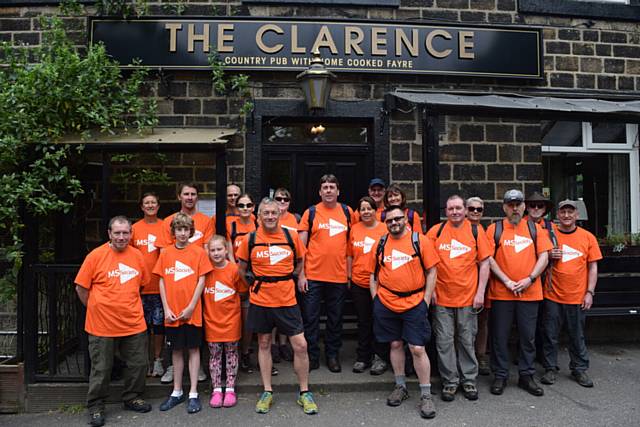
(11, 388)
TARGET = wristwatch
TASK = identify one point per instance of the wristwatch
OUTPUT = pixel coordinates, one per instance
(533, 279)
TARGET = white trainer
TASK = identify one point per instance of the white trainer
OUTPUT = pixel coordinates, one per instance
(168, 375)
(158, 370)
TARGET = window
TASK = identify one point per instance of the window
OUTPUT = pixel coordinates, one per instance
(624, 10)
(597, 164)
(319, 132)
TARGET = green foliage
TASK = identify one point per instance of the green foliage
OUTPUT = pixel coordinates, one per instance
(175, 8)
(236, 85)
(123, 8)
(46, 93)
(135, 174)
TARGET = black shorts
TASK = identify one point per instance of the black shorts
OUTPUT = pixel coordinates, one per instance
(262, 320)
(183, 336)
(411, 325)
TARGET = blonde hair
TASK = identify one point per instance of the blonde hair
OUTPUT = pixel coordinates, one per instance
(182, 220)
(218, 238)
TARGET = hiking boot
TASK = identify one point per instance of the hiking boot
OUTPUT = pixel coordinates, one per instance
(137, 405)
(172, 402)
(527, 383)
(427, 408)
(398, 395)
(194, 405)
(201, 375)
(264, 402)
(498, 385)
(449, 392)
(275, 353)
(549, 377)
(379, 366)
(582, 378)
(158, 370)
(483, 366)
(167, 378)
(286, 353)
(245, 363)
(309, 406)
(470, 391)
(360, 367)
(96, 417)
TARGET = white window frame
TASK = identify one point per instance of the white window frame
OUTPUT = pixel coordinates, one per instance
(631, 148)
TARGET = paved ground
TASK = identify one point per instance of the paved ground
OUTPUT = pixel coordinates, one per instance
(614, 401)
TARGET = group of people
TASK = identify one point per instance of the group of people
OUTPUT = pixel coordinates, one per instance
(272, 272)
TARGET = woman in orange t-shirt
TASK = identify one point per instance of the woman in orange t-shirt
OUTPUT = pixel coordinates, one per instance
(394, 196)
(363, 241)
(241, 225)
(222, 321)
(144, 235)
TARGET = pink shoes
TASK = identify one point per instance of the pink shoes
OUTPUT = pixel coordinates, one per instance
(216, 399)
(229, 399)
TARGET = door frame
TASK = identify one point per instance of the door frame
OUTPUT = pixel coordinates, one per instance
(365, 110)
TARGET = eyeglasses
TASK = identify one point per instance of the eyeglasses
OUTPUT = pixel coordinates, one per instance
(394, 219)
(478, 209)
(282, 199)
(536, 205)
(244, 205)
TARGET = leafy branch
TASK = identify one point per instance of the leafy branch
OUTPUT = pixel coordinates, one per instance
(236, 85)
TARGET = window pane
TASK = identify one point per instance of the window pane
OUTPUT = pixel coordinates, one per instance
(561, 134)
(609, 133)
(315, 133)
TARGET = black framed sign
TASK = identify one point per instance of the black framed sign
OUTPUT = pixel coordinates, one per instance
(346, 46)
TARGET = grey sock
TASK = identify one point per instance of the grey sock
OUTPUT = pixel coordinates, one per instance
(425, 389)
(400, 380)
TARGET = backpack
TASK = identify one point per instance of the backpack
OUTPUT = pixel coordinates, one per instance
(533, 232)
(415, 242)
(474, 231)
(258, 280)
(234, 232)
(312, 215)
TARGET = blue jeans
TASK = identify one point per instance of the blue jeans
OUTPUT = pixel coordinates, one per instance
(572, 316)
(333, 295)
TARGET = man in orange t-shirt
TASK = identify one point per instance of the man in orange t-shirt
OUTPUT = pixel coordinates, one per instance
(515, 290)
(573, 284)
(204, 226)
(459, 291)
(324, 277)
(273, 260)
(402, 285)
(108, 284)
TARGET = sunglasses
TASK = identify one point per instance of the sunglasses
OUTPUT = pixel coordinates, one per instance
(282, 199)
(479, 209)
(536, 205)
(395, 219)
(244, 205)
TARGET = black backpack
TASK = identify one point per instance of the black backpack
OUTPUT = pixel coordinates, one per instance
(235, 234)
(256, 281)
(415, 242)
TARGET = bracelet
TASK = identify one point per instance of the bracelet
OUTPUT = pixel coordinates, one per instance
(533, 279)
(589, 291)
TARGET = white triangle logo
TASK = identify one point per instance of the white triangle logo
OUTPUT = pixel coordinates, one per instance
(336, 227)
(151, 239)
(181, 271)
(457, 249)
(126, 273)
(568, 253)
(368, 244)
(222, 291)
(277, 254)
(398, 259)
(198, 234)
(521, 243)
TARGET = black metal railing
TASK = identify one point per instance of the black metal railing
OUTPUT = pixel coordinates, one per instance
(55, 344)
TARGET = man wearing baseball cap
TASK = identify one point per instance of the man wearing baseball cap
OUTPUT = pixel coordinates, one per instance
(573, 284)
(520, 256)
(377, 188)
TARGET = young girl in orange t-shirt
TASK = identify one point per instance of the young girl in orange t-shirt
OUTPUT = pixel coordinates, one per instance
(222, 320)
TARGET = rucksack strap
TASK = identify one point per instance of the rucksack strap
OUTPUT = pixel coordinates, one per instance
(533, 232)
(442, 224)
(415, 242)
(497, 233)
(380, 254)
(312, 216)
(268, 279)
(403, 294)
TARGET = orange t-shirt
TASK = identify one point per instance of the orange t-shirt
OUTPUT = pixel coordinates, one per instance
(569, 275)
(402, 271)
(114, 279)
(326, 259)
(204, 226)
(459, 253)
(221, 304)
(241, 230)
(180, 269)
(289, 220)
(516, 257)
(144, 237)
(363, 242)
(272, 256)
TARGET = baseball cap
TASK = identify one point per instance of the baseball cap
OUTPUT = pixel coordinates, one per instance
(377, 181)
(567, 202)
(513, 196)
